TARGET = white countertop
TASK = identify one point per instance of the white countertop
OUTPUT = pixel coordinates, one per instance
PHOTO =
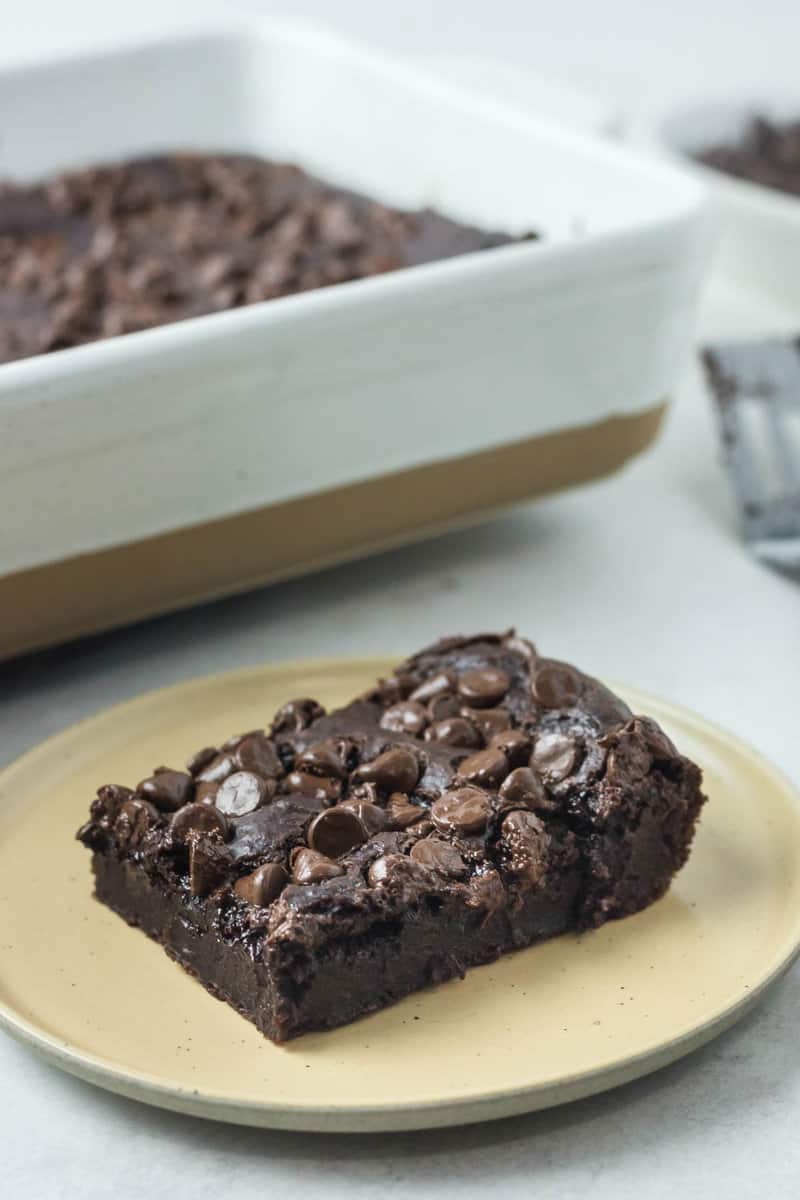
(640, 578)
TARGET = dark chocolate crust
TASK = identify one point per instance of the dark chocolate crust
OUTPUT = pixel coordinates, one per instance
(117, 248)
(481, 799)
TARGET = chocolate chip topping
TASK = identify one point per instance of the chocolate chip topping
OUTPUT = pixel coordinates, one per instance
(234, 742)
(554, 756)
(243, 792)
(296, 716)
(314, 785)
(462, 812)
(514, 743)
(456, 731)
(335, 831)
(121, 247)
(441, 707)
(524, 789)
(134, 819)
(439, 856)
(396, 869)
(487, 768)
(199, 818)
(396, 770)
(168, 790)
(206, 793)
(437, 685)
(257, 754)
(526, 842)
(371, 816)
(201, 759)
(381, 869)
(401, 813)
(484, 687)
(488, 721)
(218, 769)
(263, 885)
(556, 685)
(309, 866)
(328, 757)
(406, 717)
(209, 862)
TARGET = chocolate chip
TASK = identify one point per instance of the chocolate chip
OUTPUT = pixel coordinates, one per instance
(524, 789)
(328, 757)
(134, 819)
(484, 687)
(521, 646)
(401, 813)
(486, 893)
(463, 812)
(243, 792)
(199, 818)
(486, 768)
(107, 803)
(456, 731)
(263, 885)
(515, 744)
(371, 816)
(309, 866)
(296, 716)
(209, 863)
(436, 685)
(314, 785)
(335, 831)
(206, 793)
(554, 756)
(488, 721)
(201, 759)
(396, 770)
(525, 839)
(406, 717)
(556, 685)
(234, 742)
(441, 707)
(168, 790)
(218, 769)
(391, 690)
(393, 868)
(256, 753)
(439, 856)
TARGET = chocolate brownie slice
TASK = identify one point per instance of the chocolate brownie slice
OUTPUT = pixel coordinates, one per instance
(480, 799)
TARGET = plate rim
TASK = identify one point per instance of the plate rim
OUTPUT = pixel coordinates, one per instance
(389, 1116)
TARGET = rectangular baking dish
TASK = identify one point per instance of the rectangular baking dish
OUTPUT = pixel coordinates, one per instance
(154, 469)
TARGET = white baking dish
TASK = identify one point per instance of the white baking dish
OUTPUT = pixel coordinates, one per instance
(758, 246)
(124, 440)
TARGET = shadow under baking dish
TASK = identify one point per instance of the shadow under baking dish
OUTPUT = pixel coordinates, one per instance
(553, 1023)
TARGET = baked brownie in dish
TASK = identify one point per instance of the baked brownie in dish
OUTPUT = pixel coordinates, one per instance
(767, 153)
(114, 249)
(478, 800)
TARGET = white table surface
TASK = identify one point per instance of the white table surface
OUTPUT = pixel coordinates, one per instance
(640, 578)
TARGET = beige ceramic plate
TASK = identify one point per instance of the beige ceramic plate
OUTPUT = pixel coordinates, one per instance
(549, 1024)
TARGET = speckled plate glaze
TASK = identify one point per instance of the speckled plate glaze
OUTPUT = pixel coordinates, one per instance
(540, 1027)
